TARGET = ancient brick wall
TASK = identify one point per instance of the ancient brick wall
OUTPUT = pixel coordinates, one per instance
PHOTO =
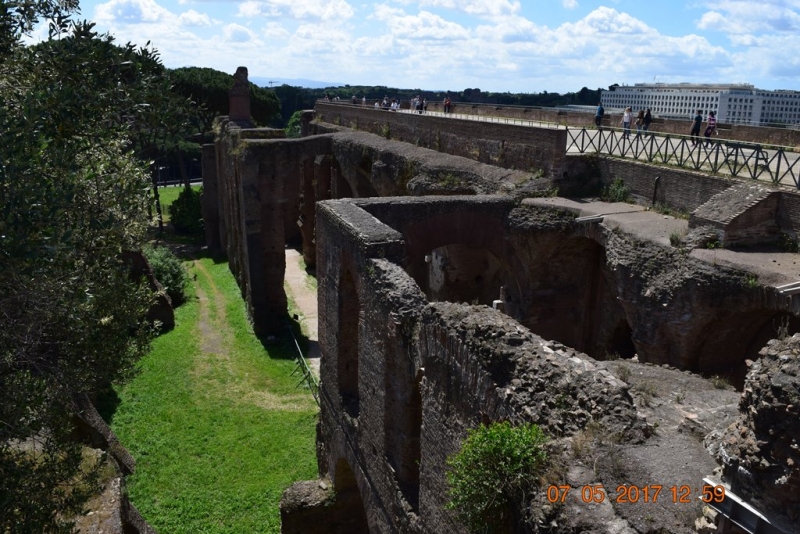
(262, 192)
(403, 380)
(258, 181)
(650, 184)
(505, 145)
(752, 134)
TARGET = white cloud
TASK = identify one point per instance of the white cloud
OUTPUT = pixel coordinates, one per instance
(326, 10)
(131, 12)
(569, 4)
(235, 33)
(480, 8)
(437, 47)
(425, 26)
(738, 17)
(274, 30)
(193, 18)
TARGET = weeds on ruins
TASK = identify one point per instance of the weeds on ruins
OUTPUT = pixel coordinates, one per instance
(494, 474)
(665, 209)
(720, 382)
(676, 238)
(616, 191)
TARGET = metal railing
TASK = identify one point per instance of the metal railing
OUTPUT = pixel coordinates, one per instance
(776, 164)
(779, 165)
(302, 367)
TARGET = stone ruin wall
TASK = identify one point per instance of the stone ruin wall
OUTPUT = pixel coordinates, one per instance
(531, 150)
(571, 175)
(345, 164)
(260, 186)
(403, 379)
(433, 371)
(738, 132)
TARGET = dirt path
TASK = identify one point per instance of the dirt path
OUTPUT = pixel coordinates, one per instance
(298, 286)
(216, 373)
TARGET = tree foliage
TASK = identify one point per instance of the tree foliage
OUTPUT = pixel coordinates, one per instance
(186, 212)
(293, 126)
(494, 473)
(208, 88)
(74, 112)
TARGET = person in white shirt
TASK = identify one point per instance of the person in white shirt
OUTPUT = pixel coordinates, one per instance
(626, 123)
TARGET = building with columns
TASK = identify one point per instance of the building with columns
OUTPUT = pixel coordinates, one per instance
(733, 103)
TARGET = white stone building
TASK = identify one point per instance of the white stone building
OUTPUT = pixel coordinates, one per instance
(733, 103)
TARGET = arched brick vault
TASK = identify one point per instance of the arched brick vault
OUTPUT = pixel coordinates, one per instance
(595, 289)
(265, 186)
(733, 338)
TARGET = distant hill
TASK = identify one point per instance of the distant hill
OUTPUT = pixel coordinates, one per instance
(296, 82)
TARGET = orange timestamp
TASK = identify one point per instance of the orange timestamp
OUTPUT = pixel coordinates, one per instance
(625, 493)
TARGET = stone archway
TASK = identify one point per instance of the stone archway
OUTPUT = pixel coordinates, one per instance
(733, 339)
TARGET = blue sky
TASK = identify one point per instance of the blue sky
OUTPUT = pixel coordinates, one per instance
(495, 45)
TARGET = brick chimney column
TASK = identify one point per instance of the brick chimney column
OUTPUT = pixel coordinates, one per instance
(239, 99)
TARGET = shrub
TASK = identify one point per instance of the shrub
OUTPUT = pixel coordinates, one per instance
(720, 382)
(169, 271)
(617, 191)
(185, 213)
(493, 474)
(676, 238)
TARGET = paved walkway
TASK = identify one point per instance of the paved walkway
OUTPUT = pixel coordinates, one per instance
(305, 298)
(785, 167)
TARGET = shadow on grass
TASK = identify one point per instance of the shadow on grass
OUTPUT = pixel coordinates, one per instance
(282, 345)
(106, 403)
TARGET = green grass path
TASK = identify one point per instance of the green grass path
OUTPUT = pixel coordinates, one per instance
(216, 424)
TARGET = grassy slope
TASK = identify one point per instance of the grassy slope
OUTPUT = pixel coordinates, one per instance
(215, 423)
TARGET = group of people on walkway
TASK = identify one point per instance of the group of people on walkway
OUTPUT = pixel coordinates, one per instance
(643, 120)
(697, 124)
(418, 104)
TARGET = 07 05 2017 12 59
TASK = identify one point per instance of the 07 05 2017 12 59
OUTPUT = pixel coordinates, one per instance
(651, 493)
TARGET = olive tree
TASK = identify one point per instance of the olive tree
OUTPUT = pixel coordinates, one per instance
(74, 197)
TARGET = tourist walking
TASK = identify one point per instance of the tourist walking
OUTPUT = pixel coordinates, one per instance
(711, 127)
(447, 104)
(639, 123)
(598, 116)
(697, 122)
(626, 123)
(648, 118)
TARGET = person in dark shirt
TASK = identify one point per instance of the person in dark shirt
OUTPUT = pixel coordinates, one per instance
(697, 122)
(598, 116)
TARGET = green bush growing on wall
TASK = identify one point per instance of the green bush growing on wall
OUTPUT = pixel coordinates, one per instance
(494, 473)
(185, 213)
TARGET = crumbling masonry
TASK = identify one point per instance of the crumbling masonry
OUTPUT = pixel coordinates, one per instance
(414, 243)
